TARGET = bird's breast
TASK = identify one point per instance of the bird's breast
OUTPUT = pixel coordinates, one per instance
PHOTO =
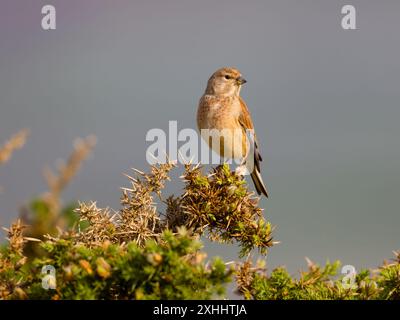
(221, 117)
(217, 113)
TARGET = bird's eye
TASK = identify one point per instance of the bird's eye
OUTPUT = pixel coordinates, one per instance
(228, 77)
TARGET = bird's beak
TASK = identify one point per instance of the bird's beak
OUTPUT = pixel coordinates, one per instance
(241, 81)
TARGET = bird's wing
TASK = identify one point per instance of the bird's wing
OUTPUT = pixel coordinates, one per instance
(246, 123)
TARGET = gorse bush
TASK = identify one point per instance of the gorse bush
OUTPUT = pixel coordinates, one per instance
(320, 283)
(217, 204)
(136, 252)
(221, 204)
(142, 252)
(170, 269)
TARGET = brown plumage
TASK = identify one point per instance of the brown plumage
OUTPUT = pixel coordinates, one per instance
(222, 108)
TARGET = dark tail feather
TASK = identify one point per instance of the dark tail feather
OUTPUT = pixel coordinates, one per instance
(258, 183)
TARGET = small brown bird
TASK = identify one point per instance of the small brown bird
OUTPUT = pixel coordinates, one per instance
(222, 108)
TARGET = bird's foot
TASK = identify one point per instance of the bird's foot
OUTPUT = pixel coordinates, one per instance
(241, 170)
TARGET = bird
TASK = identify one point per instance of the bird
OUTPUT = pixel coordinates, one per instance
(222, 108)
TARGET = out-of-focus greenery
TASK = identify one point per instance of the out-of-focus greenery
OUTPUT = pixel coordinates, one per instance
(321, 283)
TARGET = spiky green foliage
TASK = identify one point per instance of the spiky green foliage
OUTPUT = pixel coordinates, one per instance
(221, 204)
(146, 255)
(140, 253)
(320, 283)
(171, 269)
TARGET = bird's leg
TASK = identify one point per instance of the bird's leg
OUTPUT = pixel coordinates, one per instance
(241, 170)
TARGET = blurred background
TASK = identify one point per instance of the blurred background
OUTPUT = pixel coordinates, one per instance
(325, 102)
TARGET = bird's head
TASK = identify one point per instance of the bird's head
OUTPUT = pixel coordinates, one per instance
(225, 82)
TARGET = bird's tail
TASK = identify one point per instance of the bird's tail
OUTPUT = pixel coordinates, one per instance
(259, 183)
